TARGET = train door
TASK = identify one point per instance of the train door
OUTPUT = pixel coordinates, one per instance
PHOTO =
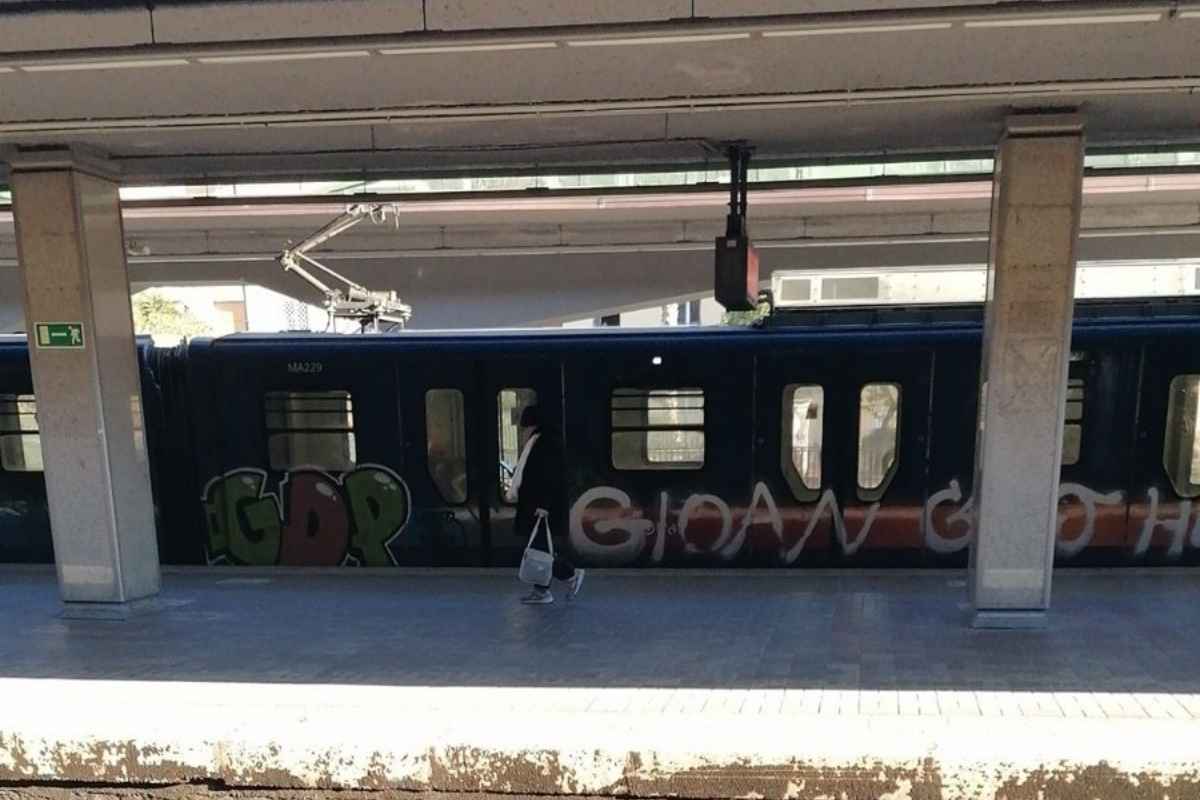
(843, 448)
(1097, 450)
(792, 462)
(950, 467)
(441, 399)
(878, 423)
(1163, 497)
(660, 432)
(301, 455)
(509, 386)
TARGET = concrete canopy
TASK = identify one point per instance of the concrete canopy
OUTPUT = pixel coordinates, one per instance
(196, 90)
(181, 90)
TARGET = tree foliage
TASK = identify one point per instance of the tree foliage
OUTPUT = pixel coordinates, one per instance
(158, 315)
(746, 318)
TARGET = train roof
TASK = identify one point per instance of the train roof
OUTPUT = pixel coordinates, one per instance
(880, 324)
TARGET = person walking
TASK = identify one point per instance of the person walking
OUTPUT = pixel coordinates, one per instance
(538, 487)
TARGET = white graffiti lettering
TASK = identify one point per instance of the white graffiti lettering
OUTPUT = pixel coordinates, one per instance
(606, 528)
(660, 541)
(621, 517)
(635, 528)
(1090, 499)
(941, 542)
(690, 507)
(763, 496)
(934, 540)
(829, 504)
(1177, 527)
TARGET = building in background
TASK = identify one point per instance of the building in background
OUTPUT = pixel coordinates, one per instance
(170, 314)
(683, 311)
(963, 283)
(219, 310)
(967, 283)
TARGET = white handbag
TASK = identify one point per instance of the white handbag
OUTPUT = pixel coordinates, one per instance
(537, 566)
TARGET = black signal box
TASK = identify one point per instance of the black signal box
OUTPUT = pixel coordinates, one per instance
(737, 273)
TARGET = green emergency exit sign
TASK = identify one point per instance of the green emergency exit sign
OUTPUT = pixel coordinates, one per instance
(60, 334)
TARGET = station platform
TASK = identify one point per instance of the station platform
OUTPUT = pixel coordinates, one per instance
(694, 684)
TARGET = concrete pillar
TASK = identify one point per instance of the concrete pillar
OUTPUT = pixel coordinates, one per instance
(70, 246)
(1036, 202)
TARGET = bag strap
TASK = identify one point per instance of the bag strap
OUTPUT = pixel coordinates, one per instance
(545, 517)
(533, 534)
(542, 518)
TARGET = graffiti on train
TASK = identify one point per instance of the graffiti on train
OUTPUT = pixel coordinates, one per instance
(311, 519)
(1175, 521)
(607, 527)
(1165, 526)
(1079, 507)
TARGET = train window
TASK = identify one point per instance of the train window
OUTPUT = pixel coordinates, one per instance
(878, 437)
(509, 405)
(446, 443)
(657, 428)
(1181, 446)
(1073, 424)
(20, 441)
(803, 421)
(310, 429)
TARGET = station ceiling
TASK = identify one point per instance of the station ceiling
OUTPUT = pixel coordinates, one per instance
(200, 91)
(502, 258)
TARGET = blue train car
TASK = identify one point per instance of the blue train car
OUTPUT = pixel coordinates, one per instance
(24, 519)
(829, 438)
(24, 516)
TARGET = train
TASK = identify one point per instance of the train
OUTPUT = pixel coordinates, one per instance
(833, 437)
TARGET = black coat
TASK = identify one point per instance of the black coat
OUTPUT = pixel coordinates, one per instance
(543, 485)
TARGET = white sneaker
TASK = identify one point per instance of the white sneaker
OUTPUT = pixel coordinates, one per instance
(538, 597)
(575, 583)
